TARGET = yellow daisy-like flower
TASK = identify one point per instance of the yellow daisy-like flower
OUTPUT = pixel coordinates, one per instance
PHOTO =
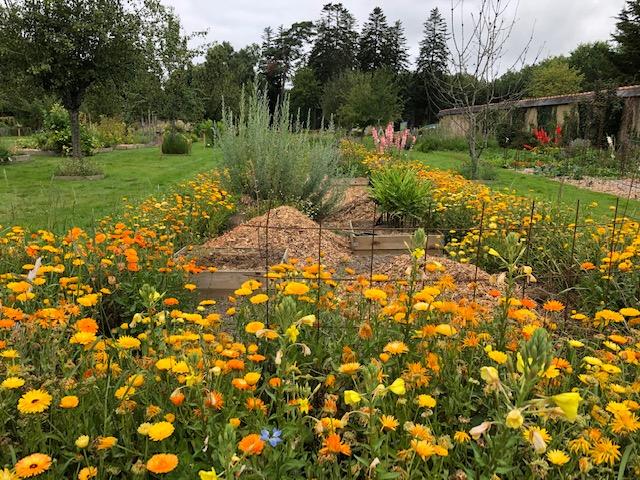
(11, 383)
(557, 457)
(498, 357)
(389, 422)
(396, 348)
(161, 430)
(34, 401)
(349, 368)
(253, 327)
(375, 294)
(259, 298)
(426, 401)
(128, 343)
(87, 472)
(295, 288)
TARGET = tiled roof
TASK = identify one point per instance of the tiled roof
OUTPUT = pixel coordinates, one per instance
(622, 92)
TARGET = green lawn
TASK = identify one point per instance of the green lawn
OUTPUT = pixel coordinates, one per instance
(537, 187)
(30, 197)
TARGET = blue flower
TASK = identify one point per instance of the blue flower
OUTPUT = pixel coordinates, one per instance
(273, 439)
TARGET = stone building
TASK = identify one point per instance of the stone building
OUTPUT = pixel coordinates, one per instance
(559, 109)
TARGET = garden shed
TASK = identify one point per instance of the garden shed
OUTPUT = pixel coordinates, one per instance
(590, 115)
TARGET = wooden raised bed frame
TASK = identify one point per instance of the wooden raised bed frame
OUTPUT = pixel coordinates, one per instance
(388, 244)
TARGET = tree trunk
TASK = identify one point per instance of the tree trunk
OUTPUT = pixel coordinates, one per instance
(75, 133)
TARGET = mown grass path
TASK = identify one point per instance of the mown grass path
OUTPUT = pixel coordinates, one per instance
(29, 197)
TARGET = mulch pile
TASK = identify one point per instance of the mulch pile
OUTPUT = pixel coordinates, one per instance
(289, 231)
(356, 206)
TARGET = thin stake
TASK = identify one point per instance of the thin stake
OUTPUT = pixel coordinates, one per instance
(613, 244)
(318, 278)
(266, 255)
(528, 247)
(475, 274)
(574, 271)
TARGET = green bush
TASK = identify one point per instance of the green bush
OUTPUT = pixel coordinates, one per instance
(175, 143)
(487, 171)
(4, 153)
(270, 158)
(56, 134)
(112, 131)
(511, 136)
(402, 196)
(434, 139)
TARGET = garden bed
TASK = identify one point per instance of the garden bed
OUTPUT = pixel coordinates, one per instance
(620, 187)
(20, 158)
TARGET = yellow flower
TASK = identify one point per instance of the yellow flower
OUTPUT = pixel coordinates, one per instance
(514, 418)
(70, 401)
(144, 428)
(446, 330)
(375, 294)
(259, 298)
(34, 401)
(83, 338)
(160, 430)
(11, 383)
(128, 342)
(308, 320)
(426, 401)
(87, 472)
(557, 457)
(490, 375)
(253, 327)
(88, 300)
(389, 422)
(210, 475)
(349, 368)
(82, 441)
(295, 288)
(461, 437)
(575, 343)
(568, 403)
(252, 378)
(498, 357)
(352, 397)
(397, 387)
(630, 312)
(6, 474)
(105, 443)
(292, 333)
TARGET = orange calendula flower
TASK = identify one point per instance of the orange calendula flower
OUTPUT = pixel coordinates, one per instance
(553, 306)
(252, 444)
(162, 463)
(33, 465)
(333, 445)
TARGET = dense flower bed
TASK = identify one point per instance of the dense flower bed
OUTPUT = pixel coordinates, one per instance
(110, 367)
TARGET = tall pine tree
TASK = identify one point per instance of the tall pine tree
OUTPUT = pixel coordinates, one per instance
(627, 37)
(432, 65)
(335, 46)
(382, 45)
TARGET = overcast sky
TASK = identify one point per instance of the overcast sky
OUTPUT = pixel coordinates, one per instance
(558, 25)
